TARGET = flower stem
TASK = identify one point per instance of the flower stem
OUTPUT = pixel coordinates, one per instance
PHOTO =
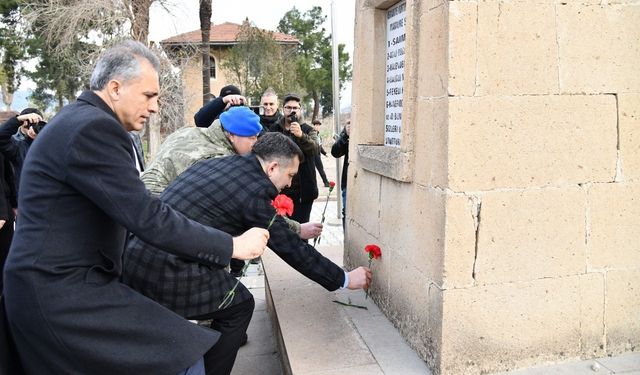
(228, 298)
(272, 220)
(366, 292)
(326, 203)
(350, 304)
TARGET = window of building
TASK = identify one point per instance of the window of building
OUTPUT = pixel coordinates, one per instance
(212, 68)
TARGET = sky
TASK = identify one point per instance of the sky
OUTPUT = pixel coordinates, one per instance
(183, 17)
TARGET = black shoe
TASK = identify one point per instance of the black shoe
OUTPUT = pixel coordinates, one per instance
(255, 260)
(244, 340)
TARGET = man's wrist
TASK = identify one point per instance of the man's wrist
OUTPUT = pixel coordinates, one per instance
(346, 280)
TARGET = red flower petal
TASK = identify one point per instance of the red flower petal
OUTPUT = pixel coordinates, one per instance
(283, 205)
(374, 251)
(332, 184)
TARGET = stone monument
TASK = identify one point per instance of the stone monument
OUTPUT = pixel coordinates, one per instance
(495, 158)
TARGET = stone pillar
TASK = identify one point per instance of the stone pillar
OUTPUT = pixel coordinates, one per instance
(509, 215)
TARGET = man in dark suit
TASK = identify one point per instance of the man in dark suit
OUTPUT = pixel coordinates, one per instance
(230, 193)
(80, 193)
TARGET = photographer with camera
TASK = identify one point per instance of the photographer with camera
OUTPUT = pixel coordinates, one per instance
(16, 136)
(230, 96)
(304, 188)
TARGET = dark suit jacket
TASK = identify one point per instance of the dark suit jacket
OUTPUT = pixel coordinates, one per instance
(67, 309)
(233, 194)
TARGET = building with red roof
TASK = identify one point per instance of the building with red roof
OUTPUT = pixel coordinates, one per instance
(221, 39)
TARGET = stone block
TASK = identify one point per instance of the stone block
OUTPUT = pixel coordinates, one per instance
(460, 240)
(392, 162)
(629, 115)
(623, 311)
(508, 326)
(430, 161)
(598, 47)
(614, 239)
(529, 141)
(368, 66)
(415, 307)
(420, 212)
(517, 48)
(531, 234)
(432, 52)
(364, 185)
(354, 255)
(463, 49)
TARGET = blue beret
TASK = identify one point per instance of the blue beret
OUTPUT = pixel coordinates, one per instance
(241, 121)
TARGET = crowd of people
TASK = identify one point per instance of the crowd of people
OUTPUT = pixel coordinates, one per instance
(111, 260)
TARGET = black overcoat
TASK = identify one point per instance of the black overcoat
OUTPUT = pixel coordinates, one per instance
(67, 309)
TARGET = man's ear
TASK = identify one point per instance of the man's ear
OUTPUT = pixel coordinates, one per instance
(271, 167)
(113, 89)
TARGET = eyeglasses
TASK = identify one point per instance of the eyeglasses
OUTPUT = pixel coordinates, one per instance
(291, 108)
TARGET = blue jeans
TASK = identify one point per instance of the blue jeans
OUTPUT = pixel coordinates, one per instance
(196, 369)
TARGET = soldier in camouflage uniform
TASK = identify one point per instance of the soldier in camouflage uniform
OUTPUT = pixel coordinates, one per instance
(184, 148)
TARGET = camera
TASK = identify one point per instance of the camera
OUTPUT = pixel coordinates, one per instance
(258, 110)
(293, 117)
(37, 127)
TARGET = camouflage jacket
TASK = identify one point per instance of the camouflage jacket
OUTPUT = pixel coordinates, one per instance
(183, 149)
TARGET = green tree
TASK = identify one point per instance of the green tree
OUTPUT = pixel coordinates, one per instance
(313, 62)
(13, 48)
(59, 77)
(258, 62)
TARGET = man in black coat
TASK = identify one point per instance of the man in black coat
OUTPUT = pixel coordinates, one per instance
(80, 192)
(304, 187)
(230, 193)
(339, 149)
(17, 135)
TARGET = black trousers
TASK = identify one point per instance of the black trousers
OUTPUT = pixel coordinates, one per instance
(302, 211)
(236, 265)
(6, 236)
(320, 169)
(232, 323)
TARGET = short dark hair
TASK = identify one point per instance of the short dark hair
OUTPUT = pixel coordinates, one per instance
(277, 146)
(292, 96)
(316, 121)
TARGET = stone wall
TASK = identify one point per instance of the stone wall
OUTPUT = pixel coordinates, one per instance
(508, 218)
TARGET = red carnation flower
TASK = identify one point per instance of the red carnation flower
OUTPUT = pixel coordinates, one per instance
(283, 205)
(374, 251)
(332, 184)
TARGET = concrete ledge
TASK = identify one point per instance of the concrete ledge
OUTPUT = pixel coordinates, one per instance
(317, 336)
